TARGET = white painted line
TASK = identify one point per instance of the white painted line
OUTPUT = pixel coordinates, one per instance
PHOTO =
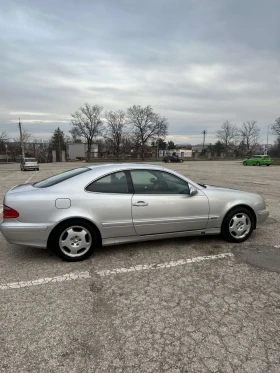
(45, 280)
(27, 181)
(176, 263)
(277, 246)
(86, 274)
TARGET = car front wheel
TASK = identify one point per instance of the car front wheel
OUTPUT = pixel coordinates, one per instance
(244, 163)
(73, 240)
(238, 225)
(258, 164)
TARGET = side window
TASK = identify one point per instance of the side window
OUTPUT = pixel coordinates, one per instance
(157, 182)
(175, 184)
(113, 183)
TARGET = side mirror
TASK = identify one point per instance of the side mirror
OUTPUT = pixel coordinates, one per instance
(193, 190)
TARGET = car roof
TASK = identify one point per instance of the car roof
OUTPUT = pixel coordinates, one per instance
(124, 166)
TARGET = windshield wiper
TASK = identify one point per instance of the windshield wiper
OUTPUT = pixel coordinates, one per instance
(203, 185)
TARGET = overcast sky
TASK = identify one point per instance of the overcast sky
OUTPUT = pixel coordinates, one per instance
(197, 62)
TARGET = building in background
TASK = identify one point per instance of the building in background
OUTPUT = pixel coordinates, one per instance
(79, 150)
(183, 153)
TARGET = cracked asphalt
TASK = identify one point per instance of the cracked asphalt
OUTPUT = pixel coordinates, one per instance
(219, 315)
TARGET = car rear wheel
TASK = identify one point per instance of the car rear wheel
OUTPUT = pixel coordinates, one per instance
(258, 164)
(74, 240)
(168, 161)
(181, 160)
(268, 165)
(244, 163)
(238, 225)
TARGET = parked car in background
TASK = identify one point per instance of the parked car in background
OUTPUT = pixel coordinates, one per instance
(29, 164)
(110, 204)
(172, 158)
(258, 160)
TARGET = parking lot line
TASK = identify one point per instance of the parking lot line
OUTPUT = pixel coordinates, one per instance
(86, 274)
(174, 263)
(27, 181)
(45, 280)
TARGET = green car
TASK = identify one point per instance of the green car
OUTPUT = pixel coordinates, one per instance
(258, 160)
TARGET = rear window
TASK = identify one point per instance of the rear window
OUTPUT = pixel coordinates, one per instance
(30, 159)
(60, 177)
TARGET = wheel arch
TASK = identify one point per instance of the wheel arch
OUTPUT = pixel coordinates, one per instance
(245, 207)
(94, 226)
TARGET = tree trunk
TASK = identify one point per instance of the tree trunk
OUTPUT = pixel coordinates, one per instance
(142, 152)
(88, 150)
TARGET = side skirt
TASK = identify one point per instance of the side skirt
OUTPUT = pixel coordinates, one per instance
(152, 237)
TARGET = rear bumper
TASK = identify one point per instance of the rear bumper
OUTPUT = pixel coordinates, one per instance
(30, 167)
(25, 234)
(261, 217)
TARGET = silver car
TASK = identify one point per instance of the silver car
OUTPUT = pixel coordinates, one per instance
(29, 164)
(76, 211)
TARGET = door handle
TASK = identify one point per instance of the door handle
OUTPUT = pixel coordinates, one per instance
(140, 204)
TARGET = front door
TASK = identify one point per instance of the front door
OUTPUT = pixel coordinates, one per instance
(162, 204)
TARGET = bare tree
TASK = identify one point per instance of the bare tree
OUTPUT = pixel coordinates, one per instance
(75, 137)
(3, 137)
(250, 134)
(115, 130)
(228, 135)
(276, 127)
(88, 122)
(25, 137)
(146, 125)
(15, 147)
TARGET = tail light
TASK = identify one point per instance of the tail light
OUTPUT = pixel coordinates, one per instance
(9, 213)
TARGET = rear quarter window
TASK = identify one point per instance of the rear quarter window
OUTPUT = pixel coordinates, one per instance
(60, 177)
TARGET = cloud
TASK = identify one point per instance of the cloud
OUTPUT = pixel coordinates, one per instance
(197, 63)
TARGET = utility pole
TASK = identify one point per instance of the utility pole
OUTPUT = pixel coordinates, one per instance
(21, 139)
(204, 133)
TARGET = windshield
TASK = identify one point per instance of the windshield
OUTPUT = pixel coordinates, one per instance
(30, 160)
(60, 177)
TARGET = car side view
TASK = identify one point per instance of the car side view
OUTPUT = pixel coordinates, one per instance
(258, 160)
(76, 211)
(172, 158)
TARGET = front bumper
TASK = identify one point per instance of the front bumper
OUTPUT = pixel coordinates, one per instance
(25, 234)
(261, 215)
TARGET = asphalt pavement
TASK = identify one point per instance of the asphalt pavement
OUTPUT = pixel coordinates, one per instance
(179, 305)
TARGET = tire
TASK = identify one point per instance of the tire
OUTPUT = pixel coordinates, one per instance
(267, 165)
(233, 225)
(73, 240)
(244, 163)
(168, 161)
(181, 161)
(258, 164)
